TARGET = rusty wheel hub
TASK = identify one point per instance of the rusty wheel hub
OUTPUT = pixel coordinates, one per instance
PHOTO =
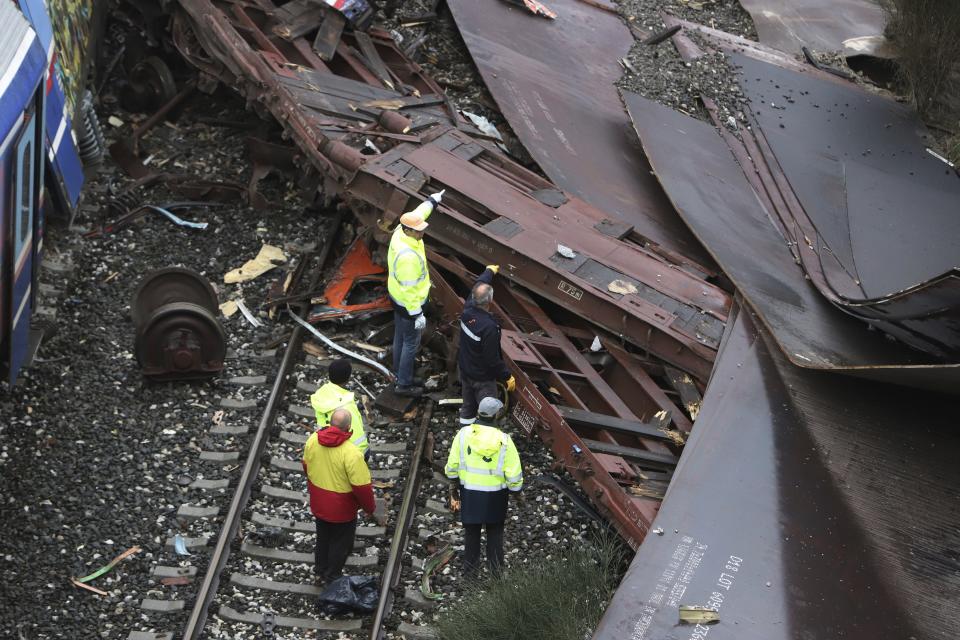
(178, 334)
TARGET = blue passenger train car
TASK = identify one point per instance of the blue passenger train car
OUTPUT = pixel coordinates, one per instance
(40, 170)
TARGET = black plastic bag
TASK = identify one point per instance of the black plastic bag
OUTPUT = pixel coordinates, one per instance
(346, 594)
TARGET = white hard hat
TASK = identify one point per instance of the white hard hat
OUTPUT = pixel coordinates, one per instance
(489, 407)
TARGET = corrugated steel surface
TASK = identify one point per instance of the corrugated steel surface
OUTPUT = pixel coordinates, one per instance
(14, 28)
(21, 62)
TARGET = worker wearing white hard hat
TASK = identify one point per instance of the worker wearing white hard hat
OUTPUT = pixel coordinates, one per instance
(484, 468)
(409, 287)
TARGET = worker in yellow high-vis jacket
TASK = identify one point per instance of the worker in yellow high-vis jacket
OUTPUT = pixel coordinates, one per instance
(332, 396)
(484, 468)
(409, 286)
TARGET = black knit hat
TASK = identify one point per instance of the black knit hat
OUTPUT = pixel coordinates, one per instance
(339, 371)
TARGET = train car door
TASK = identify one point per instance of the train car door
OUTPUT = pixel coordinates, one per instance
(22, 227)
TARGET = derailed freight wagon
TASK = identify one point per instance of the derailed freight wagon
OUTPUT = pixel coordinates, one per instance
(44, 55)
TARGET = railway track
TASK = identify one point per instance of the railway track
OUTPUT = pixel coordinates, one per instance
(242, 563)
(245, 546)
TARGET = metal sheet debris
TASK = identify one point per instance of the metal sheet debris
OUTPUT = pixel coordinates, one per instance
(347, 352)
(854, 27)
(355, 271)
(176, 220)
(844, 510)
(866, 190)
(718, 203)
(554, 82)
(247, 314)
(180, 545)
(138, 211)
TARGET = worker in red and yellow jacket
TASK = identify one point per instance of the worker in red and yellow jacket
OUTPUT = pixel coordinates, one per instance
(339, 484)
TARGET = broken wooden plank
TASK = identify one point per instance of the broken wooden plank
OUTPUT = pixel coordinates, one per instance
(328, 36)
(687, 388)
(298, 18)
(373, 59)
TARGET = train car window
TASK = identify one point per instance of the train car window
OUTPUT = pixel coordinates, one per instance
(26, 190)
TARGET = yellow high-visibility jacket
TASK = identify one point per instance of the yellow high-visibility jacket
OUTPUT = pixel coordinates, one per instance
(331, 397)
(484, 459)
(486, 463)
(409, 281)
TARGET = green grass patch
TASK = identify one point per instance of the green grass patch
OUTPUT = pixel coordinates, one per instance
(561, 597)
(953, 150)
(926, 35)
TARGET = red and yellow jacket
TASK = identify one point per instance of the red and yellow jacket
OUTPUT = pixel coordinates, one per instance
(337, 476)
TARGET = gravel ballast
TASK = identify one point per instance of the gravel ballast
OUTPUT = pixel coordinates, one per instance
(91, 454)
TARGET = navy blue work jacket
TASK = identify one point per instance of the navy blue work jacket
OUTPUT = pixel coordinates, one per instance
(480, 357)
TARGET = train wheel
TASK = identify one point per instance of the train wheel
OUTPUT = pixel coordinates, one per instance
(169, 285)
(180, 341)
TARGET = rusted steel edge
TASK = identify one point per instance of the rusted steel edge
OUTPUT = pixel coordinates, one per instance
(809, 243)
(534, 413)
(252, 70)
(597, 4)
(251, 468)
(391, 573)
(751, 48)
(752, 150)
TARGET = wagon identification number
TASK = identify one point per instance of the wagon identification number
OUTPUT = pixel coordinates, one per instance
(574, 292)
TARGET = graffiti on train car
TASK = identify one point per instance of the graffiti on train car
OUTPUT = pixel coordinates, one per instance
(73, 27)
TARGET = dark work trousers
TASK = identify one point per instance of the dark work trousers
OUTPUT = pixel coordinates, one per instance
(471, 551)
(406, 343)
(473, 391)
(334, 544)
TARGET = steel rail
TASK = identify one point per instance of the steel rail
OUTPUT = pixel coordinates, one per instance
(391, 573)
(251, 468)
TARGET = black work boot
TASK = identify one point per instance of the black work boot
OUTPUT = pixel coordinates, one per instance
(412, 391)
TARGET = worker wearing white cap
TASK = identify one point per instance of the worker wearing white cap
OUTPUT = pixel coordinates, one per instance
(484, 468)
(409, 288)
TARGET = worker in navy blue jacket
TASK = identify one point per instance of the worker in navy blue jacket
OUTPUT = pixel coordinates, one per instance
(480, 358)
